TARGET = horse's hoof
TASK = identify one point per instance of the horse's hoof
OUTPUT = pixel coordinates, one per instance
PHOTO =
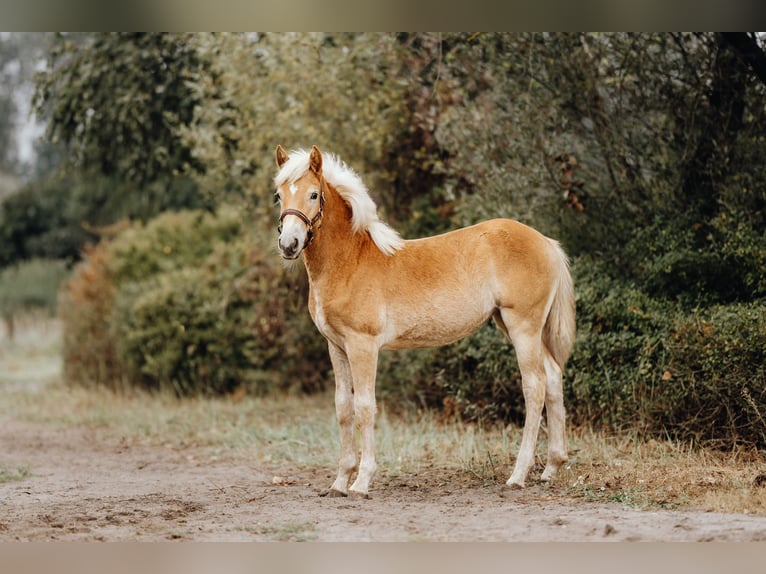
(514, 485)
(332, 493)
(548, 474)
(360, 495)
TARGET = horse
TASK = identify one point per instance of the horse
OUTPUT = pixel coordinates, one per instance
(370, 290)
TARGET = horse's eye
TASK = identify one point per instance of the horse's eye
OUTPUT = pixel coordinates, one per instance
(314, 195)
(277, 197)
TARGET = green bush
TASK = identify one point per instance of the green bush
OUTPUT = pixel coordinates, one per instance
(190, 302)
(139, 253)
(699, 264)
(657, 367)
(716, 382)
(214, 328)
(184, 330)
(170, 242)
(620, 353)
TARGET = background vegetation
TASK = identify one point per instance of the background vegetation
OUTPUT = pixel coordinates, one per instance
(642, 153)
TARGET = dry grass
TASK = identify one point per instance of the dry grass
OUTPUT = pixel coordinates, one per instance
(302, 431)
(665, 474)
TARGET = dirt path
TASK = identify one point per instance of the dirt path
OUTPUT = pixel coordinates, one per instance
(82, 486)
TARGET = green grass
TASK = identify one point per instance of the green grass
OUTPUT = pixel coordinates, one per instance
(13, 473)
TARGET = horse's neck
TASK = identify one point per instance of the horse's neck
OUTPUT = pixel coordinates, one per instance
(335, 245)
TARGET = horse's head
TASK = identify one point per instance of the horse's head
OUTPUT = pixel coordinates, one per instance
(301, 200)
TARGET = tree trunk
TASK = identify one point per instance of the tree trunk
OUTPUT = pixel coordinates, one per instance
(719, 125)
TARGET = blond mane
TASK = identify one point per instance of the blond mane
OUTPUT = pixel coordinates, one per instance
(364, 212)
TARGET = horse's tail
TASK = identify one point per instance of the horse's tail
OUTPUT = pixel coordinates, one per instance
(559, 330)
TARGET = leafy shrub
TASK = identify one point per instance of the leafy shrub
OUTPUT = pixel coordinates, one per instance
(698, 263)
(85, 309)
(716, 383)
(215, 328)
(190, 302)
(654, 366)
(170, 242)
(182, 330)
(90, 345)
(620, 353)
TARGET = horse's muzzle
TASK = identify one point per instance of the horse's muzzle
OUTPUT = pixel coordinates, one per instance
(289, 249)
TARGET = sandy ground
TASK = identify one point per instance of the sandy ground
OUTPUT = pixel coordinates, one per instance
(84, 487)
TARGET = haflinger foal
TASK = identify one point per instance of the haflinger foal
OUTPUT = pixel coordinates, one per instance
(370, 290)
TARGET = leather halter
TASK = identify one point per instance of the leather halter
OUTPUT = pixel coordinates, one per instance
(310, 223)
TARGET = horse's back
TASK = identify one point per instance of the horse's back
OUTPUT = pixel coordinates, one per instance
(506, 243)
(441, 288)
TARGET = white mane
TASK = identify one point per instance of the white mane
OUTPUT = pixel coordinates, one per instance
(364, 213)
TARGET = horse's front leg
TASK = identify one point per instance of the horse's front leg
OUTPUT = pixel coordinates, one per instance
(362, 354)
(344, 410)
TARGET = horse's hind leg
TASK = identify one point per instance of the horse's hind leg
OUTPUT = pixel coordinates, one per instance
(530, 354)
(556, 415)
(344, 409)
(533, 385)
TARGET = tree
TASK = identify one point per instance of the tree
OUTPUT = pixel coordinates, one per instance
(117, 100)
(18, 54)
(114, 104)
(336, 90)
(9, 73)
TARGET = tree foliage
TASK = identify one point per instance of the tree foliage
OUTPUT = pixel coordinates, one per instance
(117, 101)
(54, 217)
(115, 104)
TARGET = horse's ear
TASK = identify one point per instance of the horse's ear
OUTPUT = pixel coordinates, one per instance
(315, 160)
(281, 156)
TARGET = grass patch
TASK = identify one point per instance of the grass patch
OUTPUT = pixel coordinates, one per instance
(292, 532)
(287, 532)
(663, 474)
(13, 474)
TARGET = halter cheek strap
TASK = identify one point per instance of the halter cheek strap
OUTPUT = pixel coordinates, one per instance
(310, 223)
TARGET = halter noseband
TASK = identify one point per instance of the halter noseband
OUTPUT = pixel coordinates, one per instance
(310, 223)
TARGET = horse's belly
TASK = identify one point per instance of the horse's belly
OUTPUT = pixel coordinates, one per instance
(434, 331)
